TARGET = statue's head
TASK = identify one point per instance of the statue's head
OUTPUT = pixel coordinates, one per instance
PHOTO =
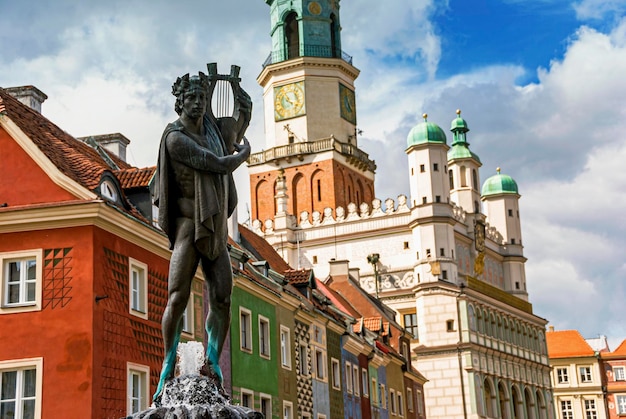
(186, 84)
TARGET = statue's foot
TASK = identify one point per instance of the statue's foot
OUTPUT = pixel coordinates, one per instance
(214, 375)
(167, 373)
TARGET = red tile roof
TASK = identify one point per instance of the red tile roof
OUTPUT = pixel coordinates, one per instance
(567, 344)
(375, 324)
(134, 177)
(621, 349)
(75, 159)
(337, 299)
(264, 250)
(298, 276)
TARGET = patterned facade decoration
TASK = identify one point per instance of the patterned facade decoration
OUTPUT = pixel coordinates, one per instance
(388, 282)
(57, 274)
(305, 385)
(128, 335)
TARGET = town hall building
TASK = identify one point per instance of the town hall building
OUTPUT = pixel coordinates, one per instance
(447, 256)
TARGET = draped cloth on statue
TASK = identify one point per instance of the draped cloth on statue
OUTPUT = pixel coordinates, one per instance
(214, 192)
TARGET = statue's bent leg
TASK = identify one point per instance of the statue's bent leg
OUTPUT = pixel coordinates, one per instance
(183, 265)
(220, 283)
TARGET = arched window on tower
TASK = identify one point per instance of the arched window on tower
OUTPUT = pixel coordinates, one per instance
(474, 179)
(333, 36)
(292, 35)
(463, 176)
(451, 178)
(299, 194)
(360, 198)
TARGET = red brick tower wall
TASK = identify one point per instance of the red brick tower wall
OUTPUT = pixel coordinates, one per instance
(310, 187)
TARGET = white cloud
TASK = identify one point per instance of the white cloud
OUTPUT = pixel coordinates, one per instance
(110, 70)
(598, 9)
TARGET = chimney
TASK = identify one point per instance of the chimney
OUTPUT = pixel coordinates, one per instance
(115, 143)
(29, 96)
(355, 273)
(233, 227)
(551, 328)
(339, 268)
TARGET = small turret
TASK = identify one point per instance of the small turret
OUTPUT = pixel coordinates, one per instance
(463, 168)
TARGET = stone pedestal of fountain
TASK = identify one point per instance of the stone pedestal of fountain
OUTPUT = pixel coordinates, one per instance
(194, 396)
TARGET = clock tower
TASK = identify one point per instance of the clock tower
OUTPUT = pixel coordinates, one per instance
(310, 116)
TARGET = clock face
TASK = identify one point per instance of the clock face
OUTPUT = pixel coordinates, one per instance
(289, 101)
(347, 104)
(315, 8)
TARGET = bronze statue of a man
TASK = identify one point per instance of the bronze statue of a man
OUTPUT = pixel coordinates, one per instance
(194, 190)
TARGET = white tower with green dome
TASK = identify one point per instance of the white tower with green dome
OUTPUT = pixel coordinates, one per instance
(501, 205)
(463, 167)
(433, 235)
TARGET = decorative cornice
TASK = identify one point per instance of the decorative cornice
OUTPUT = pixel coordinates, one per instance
(285, 66)
(79, 214)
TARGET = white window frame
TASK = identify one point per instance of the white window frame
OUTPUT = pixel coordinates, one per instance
(586, 374)
(23, 305)
(566, 409)
(264, 337)
(245, 330)
(409, 399)
(420, 402)
(319, 364)
(285, 347)
(562, 375)
(305, 415)
(303, 355)
(355, 380)
(400, 404)
(143, 372)
(287, 410)
(383, 396)
(365, 382)
(268, 410)
(620, 404)
(250, 394)
(321, 416)
(141, 310)
(188, 314)
(23, 365)
(591, 408)
(392, 399)
(108, 191)
(374, 392)
(348, 369)
(621, 376)
(335, 373)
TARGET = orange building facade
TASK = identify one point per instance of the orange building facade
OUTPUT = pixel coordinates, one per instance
(78, 261)
(614, 366)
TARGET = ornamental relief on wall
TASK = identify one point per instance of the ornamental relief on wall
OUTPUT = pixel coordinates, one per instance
(387, 282)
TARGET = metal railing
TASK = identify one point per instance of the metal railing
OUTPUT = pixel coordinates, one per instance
(359, 157)
(306, 50)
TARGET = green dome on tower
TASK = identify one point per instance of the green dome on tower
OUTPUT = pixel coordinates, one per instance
(459, 123)
(460, 146)
(426, 132)
(499, 184)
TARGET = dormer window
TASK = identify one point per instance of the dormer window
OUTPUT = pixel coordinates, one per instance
(108, 191)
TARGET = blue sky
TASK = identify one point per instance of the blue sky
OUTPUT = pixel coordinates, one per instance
(540, 82)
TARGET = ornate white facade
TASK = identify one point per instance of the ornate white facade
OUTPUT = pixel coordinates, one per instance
(461, 273)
